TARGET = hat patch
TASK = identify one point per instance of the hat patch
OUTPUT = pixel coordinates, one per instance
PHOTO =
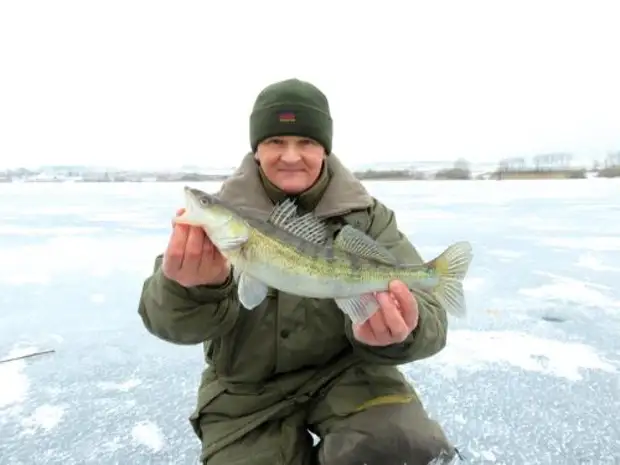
(287, 117)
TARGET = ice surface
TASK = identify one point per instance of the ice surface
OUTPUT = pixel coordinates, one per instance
(531, 377)
(148, 434)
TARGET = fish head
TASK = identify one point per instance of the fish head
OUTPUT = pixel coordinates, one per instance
(220, 222)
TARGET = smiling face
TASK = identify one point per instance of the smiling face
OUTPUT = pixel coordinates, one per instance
(291, 163)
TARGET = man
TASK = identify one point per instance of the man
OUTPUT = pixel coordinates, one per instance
(292, 364)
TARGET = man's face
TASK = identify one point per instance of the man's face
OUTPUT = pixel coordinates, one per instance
(291, 163)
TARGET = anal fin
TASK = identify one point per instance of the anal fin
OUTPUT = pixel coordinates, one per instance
(360, 308)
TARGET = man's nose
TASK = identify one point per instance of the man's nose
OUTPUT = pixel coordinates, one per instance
(290, 154)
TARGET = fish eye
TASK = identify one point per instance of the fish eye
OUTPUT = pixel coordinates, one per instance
(204, 201)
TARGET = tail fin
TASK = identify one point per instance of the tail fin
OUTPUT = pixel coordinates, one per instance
(451, 267)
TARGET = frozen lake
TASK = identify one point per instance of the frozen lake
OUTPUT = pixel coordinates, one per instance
(530, 377)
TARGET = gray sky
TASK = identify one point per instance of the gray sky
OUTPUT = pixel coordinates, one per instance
(138, 83)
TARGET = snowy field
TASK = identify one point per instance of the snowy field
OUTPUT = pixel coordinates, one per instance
(530, 377)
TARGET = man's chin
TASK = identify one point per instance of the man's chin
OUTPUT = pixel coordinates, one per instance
(293, 184)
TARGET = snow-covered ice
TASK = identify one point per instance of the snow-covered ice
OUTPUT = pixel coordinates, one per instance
(531, 377)
(149, 435)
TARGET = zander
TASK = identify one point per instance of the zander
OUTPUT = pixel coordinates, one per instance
(298, 255)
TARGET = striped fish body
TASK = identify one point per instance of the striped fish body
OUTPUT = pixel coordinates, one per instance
(298, 255)
(297, 266)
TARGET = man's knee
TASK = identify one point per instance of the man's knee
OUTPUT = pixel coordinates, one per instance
(280, 441)
(393, 434)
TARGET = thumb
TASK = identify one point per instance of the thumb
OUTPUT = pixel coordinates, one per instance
(179, 212)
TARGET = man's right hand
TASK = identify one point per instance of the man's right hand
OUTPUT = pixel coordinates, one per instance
(191, 259)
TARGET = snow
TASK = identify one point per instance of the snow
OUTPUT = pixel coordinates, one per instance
(531, 376)
(148, 434)
(479, 350)
(45, 417)
(15, 383)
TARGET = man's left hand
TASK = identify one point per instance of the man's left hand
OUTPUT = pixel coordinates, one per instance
(395, 320)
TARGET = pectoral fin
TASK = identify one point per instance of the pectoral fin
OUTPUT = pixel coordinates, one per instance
(359, 309)
(251, 291)
(231, 243)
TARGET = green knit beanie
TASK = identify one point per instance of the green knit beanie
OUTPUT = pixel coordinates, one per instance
(291, 108)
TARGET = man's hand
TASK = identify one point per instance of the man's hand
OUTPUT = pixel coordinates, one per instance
(395, 320)
(191, 259)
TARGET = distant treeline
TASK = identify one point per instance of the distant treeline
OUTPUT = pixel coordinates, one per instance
(539, 174)
(545, 167)
(368, 175)
(610, 172)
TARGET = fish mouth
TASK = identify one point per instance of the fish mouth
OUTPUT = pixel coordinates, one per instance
(192, 207)
(192, 192)
(192, 199)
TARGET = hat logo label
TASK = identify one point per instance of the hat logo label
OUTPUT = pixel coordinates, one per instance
(287, 117)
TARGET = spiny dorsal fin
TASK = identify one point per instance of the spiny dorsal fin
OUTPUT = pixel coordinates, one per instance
(357, 243)
(307, 226)
(283, 212)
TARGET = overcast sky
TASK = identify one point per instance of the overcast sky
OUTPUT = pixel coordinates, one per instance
(137, 83)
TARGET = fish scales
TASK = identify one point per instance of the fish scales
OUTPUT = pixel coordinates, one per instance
(299, 255)
(280, 248)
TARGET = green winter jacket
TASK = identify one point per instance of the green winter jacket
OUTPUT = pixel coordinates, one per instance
(284, 352)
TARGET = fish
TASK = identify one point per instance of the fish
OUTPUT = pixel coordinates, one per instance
(299, 254)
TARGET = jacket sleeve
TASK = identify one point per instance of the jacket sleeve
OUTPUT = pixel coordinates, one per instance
(186, 316)
(429, 337)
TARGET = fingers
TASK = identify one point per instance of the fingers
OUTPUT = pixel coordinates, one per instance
(394, 322)
(363, 333)
(175, 252)
(179, 212)
(208, 256)
(378, 321)
(407, 305)
(184, 249)
(191, 258)
(194, 250)
(208, 248)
